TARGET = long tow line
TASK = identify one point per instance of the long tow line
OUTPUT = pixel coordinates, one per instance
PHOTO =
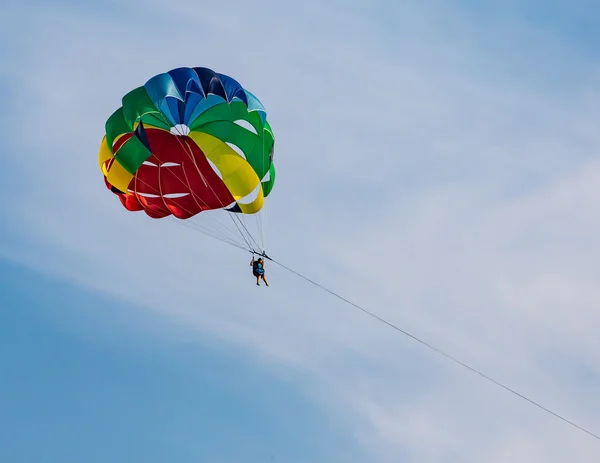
(428, 345)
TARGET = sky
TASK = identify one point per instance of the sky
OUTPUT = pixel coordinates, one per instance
(436, 163)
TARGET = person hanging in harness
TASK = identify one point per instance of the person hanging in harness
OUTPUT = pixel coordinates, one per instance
(258, 270)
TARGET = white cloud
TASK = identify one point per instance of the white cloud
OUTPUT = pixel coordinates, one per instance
(454, 200)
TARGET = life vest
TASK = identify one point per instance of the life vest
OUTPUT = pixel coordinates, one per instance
(258, 268)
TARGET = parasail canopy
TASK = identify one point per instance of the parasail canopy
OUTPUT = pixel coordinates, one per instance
(187, 141)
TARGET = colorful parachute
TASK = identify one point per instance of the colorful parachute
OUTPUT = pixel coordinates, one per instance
(189, 140)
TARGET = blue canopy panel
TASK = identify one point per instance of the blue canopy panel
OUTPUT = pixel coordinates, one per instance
(210, 82)
(254, 104)
(182, 94)
(159, 88)
(233, 88)
(186, 80)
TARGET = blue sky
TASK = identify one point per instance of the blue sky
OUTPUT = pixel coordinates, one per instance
(84, 380)
(437, 163)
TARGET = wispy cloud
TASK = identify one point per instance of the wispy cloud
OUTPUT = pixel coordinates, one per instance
(437, 165)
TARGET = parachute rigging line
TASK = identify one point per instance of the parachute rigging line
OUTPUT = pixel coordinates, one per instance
(435, 349)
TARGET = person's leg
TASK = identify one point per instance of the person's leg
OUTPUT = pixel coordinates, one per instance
(265, 280)
(258, 280)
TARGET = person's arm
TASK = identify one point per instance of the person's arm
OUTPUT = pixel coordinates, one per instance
(252, 261)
